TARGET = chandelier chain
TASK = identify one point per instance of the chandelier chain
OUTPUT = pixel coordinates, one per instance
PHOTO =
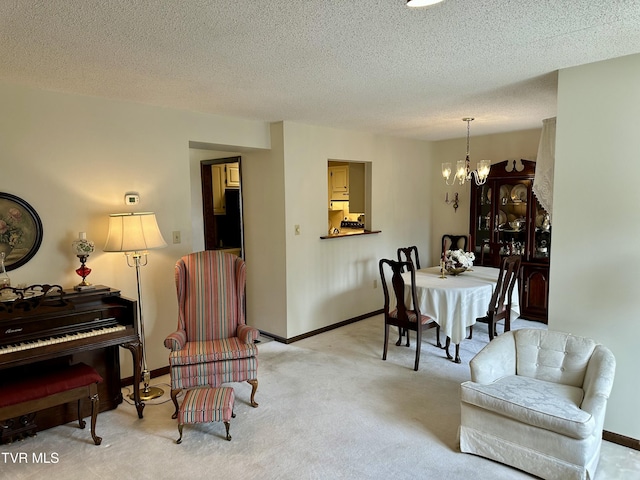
(468, 133)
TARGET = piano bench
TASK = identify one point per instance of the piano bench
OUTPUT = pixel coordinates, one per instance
(28, 395)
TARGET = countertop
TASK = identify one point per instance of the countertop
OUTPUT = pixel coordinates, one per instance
(349, 232)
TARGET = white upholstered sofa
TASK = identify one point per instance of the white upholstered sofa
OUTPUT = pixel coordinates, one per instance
(537, 401)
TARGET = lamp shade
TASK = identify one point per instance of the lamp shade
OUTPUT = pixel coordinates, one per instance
(133, 232)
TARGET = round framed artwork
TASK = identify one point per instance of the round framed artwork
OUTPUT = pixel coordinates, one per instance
(20, 231)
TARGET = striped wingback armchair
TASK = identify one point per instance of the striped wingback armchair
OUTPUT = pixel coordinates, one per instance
(212, 344)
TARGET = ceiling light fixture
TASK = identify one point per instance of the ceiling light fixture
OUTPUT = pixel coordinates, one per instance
(422, 3)
(463, 170)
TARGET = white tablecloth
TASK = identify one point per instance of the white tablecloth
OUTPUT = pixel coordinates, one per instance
(455, 302)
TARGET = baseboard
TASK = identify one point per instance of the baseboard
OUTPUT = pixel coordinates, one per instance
(125, 382)
(158, 372)
(621, 440)
(323, 329)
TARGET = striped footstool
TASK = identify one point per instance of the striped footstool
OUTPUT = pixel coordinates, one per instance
(204, 405)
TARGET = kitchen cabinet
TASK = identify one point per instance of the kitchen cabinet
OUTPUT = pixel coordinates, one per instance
(339, 182)
(356, 187)
(218, 180)
(347, 183)
(232, 175)
(505, 219)
(223, 176)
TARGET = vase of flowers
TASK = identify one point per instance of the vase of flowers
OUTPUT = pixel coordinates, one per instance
(458, 261)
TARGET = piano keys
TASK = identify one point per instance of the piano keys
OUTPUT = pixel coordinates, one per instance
(66, 327)
(55, 339)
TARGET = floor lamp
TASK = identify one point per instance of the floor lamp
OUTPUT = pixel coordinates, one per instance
(134, 234)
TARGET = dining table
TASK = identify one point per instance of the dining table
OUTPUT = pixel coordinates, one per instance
(454, 302)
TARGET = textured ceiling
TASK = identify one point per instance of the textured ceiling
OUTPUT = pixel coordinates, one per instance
(372, 65)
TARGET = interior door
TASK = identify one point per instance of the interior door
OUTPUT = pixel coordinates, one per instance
(223, 224)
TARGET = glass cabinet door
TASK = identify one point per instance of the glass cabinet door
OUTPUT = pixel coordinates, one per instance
(483, 225)
(511, 216)
(506, 218)
(542, 232)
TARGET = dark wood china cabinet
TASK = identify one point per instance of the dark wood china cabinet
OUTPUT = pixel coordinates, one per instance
(506, 218)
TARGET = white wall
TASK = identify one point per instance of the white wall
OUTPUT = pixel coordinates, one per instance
(596, 221)
(300, 283)
(73, 158)
(331, 280)
(498, 147)
(264, 227)
(263, 209)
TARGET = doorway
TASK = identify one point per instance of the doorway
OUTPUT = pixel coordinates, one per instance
(222, 204)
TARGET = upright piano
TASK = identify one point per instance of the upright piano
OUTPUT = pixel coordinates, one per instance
(44, 327)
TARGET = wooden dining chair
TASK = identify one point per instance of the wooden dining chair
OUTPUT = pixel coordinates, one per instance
(403, 317)
(454, 242)
(500, 304)
(409, 254)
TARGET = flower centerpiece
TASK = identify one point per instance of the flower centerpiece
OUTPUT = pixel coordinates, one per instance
(457, 261)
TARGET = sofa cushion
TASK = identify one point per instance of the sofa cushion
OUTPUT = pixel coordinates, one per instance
(547, 405)
(212, 351)
(412, 316)
(553, 356)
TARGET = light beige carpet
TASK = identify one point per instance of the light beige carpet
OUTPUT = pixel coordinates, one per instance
(330, 408)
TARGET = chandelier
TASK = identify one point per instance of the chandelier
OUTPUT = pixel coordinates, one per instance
(463, 170)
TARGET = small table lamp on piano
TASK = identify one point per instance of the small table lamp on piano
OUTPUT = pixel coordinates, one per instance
(83, 248)
(134, 234)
